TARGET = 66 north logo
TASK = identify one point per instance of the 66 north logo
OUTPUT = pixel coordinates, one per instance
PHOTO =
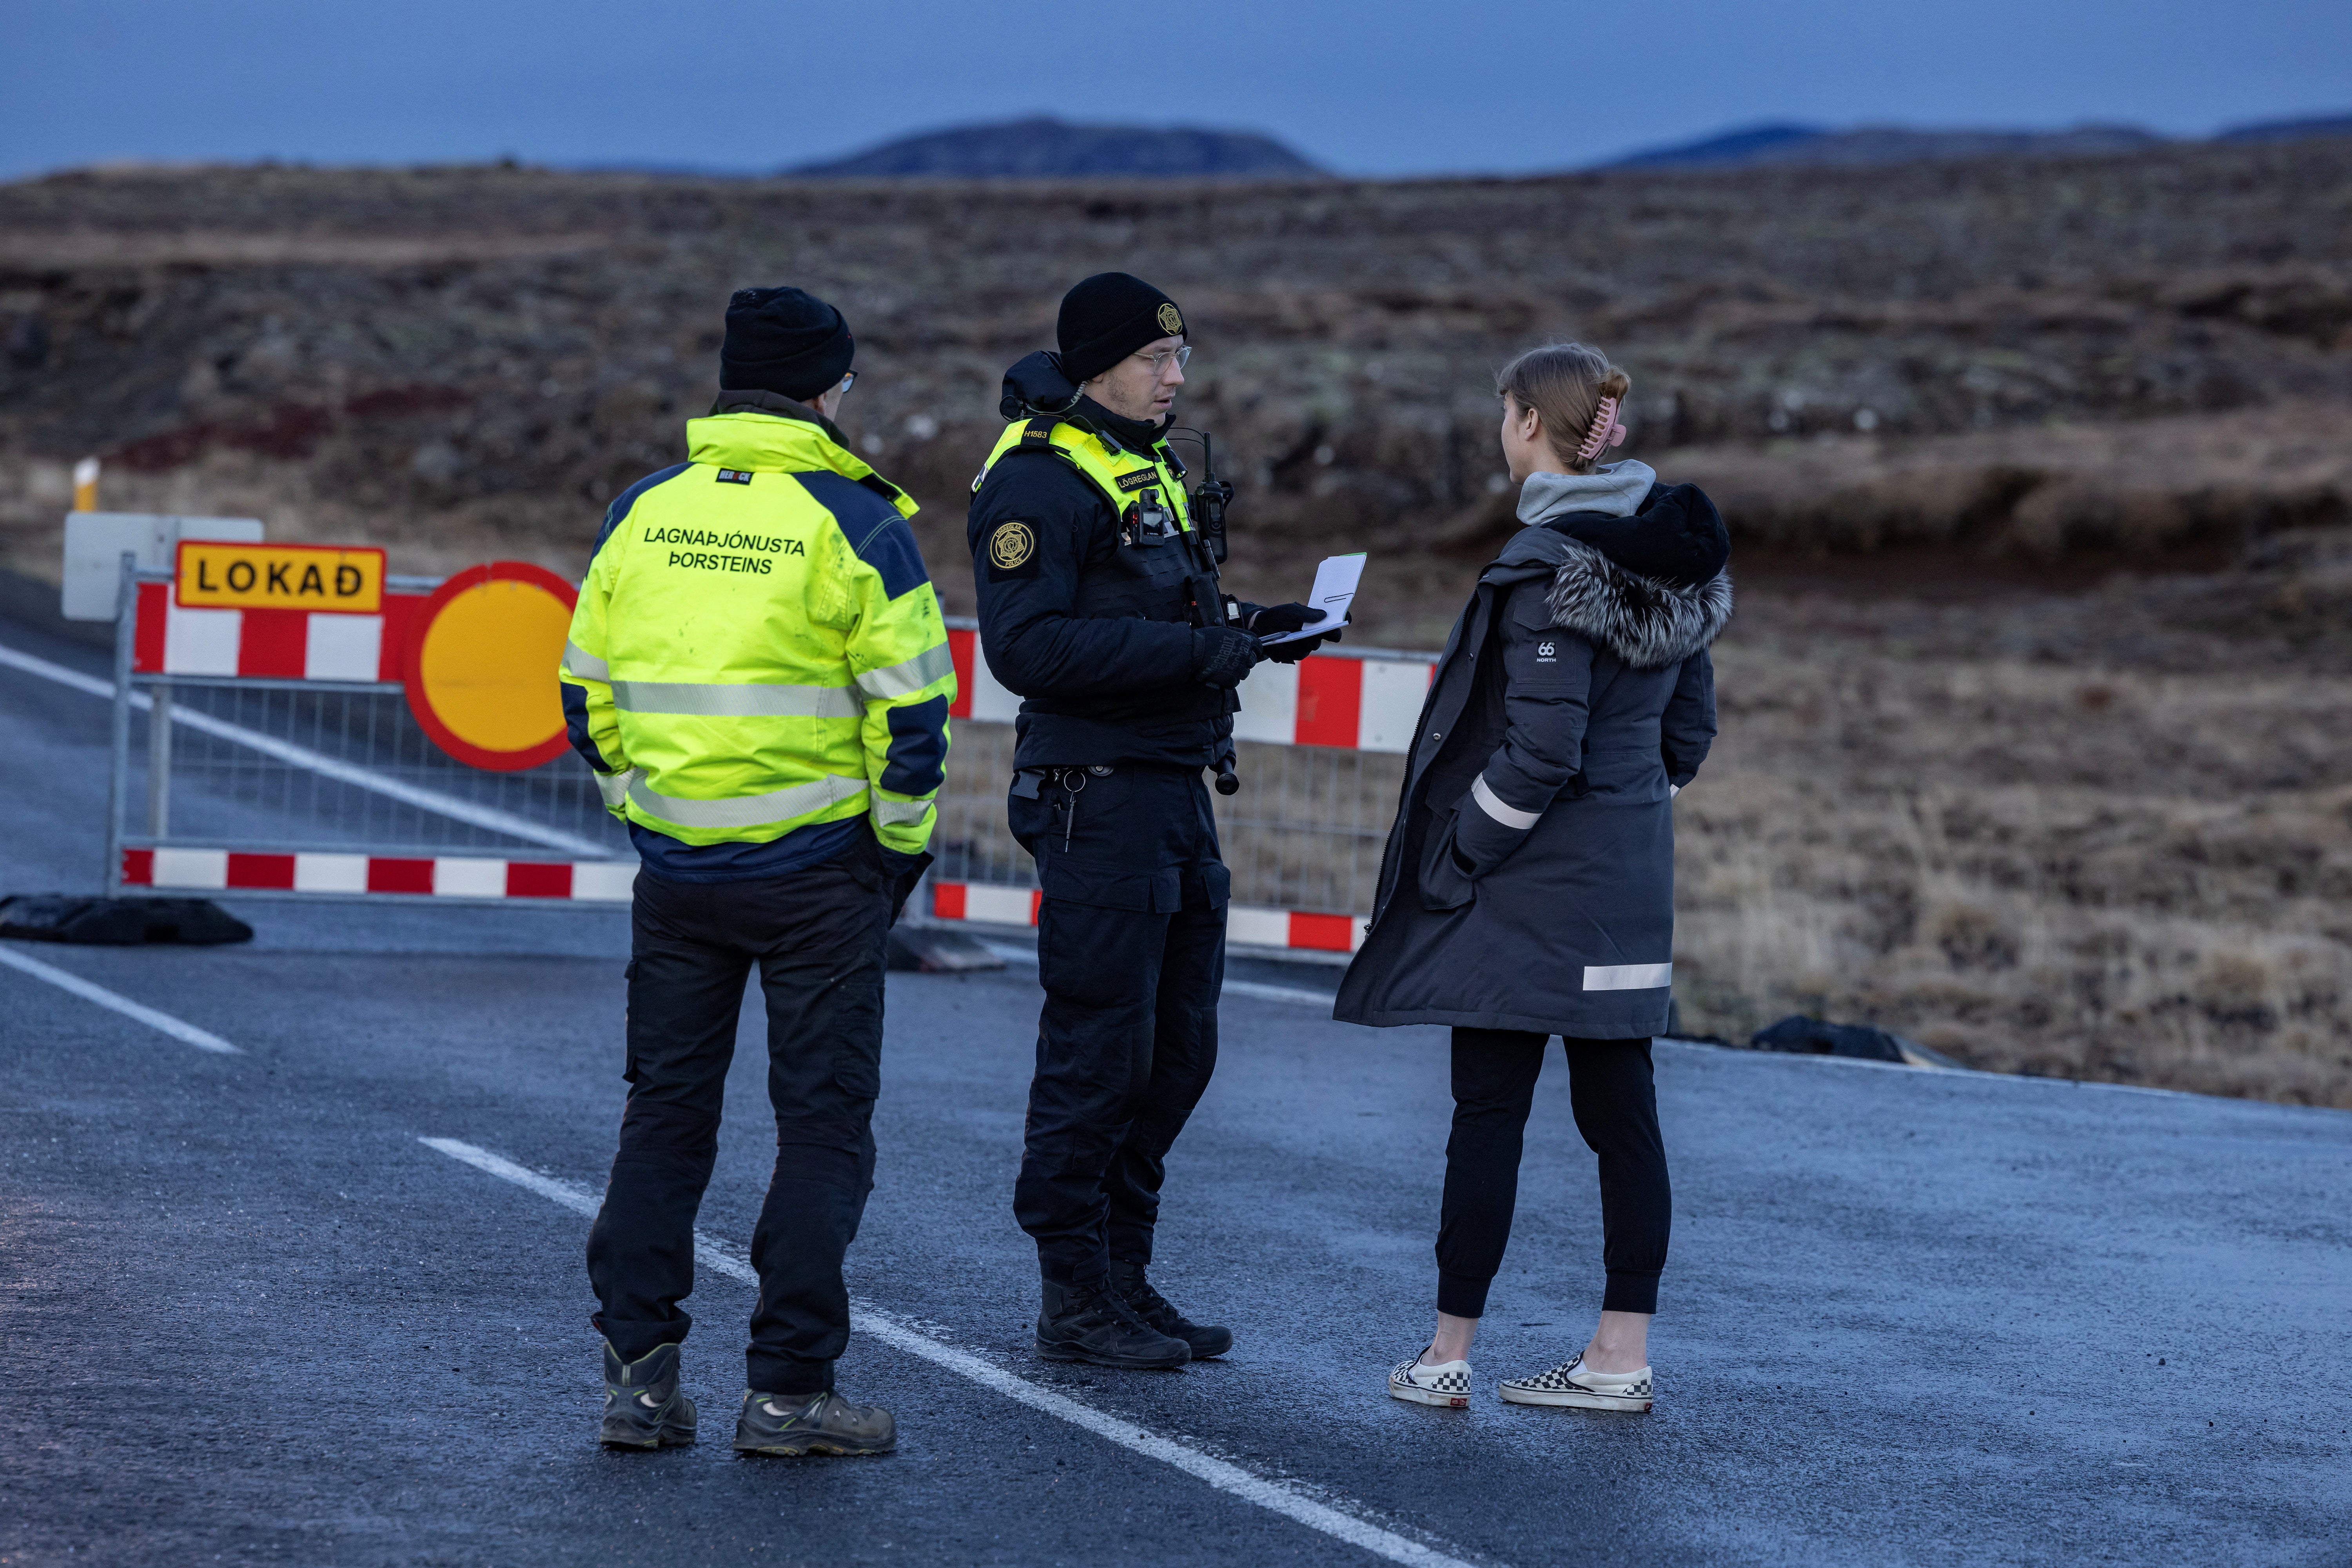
(1545, 652)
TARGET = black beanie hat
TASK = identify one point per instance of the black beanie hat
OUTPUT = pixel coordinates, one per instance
(1108, 318)
(784, 340)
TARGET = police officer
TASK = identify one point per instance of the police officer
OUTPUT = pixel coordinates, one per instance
(758, 675)
(1100, 606)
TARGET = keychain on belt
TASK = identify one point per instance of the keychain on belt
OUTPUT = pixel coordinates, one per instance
(1073, 780)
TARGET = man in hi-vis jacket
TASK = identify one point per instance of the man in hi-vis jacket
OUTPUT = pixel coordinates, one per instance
(1099, 606)
(758, 676)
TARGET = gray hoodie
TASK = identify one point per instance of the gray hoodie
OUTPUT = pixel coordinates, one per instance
(1613, 490)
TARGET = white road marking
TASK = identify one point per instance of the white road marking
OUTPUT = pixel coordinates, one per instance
(57, 672)
(1013, 954)
(1298, 994)
(1276, 1496)
(448, 805)
(83, 988)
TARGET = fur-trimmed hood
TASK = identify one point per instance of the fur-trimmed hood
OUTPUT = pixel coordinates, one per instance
(1641, 620)
(1651, 586)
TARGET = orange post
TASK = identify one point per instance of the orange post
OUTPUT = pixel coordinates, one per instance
(86, 485)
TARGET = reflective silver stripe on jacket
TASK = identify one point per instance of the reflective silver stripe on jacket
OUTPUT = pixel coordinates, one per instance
(586, 666)
(1495, 807)
(900, 813)
(615, 787)
(905, 680)
(737, 701)
(1628, 976)
(749, 810)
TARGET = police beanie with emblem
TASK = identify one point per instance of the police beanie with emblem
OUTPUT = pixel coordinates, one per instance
(784, 340)
(1108, 318)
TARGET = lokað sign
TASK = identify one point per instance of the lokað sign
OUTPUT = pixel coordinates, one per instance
(480, 665)
(211, 576)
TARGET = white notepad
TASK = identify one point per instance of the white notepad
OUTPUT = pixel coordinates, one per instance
(1334, 591)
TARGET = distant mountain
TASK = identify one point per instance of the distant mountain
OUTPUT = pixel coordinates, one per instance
(1049, 149)
(1755, 145)
(1867, 145)
(2289, 130)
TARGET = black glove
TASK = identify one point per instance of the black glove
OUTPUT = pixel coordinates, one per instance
(1222, 655)
(1278, 619)
(1274, 619)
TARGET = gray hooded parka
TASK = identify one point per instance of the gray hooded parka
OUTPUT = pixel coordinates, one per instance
(1528, 880)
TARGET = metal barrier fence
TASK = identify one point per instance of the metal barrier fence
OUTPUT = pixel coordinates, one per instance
(315, 781)
(294, 786)
(1320, 756)
(1305, 832)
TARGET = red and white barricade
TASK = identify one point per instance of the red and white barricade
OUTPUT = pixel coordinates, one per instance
(1356, 701)
(473, 877)
(284, 757)
(1340, 700)
(271, 644)
(1246, 925)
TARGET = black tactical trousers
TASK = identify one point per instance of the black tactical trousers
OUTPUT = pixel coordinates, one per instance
(1131, 952)
(817, 938)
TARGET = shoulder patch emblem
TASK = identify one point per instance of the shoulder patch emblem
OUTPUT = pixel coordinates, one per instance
(1010, 545)
(1171, 320)
(733, 477)
(1141, 478)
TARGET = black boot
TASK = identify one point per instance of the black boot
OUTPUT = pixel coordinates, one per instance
(643, 1405)
(1093, 1323)
(798, 1424)
(1205, 1339)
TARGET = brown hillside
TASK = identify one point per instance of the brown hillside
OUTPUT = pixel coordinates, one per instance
(433, 356)
(2035, 711)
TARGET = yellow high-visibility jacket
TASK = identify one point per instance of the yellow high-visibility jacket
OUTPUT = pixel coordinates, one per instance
(757, 647)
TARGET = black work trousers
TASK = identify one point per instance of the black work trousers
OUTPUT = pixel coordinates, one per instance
(1616, 1107)
(817, 938)
(1131, 952)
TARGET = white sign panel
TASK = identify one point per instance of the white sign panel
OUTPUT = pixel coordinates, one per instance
(95, 541)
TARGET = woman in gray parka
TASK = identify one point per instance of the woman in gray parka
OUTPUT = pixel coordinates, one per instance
(1527, 889)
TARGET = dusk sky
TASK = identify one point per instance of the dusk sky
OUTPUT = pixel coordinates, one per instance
(1376, 87)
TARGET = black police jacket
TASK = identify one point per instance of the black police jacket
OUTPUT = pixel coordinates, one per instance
(1094, 635)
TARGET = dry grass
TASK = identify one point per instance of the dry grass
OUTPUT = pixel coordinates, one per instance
(1932, 818)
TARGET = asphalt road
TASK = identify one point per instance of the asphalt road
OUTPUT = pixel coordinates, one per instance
(1911, 1317)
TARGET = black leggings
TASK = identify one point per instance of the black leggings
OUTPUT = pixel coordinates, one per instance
(1610, 1090)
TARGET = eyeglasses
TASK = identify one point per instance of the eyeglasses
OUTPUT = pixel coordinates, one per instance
(1159, 362)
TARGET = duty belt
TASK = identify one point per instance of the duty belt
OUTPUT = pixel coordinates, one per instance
(1028, 782)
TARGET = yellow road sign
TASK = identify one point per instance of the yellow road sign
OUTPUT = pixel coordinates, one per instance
(217, 576)
(480, 668)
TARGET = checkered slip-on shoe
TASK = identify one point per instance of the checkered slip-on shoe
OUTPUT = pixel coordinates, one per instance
(1446, 1383)
(1573, 1383)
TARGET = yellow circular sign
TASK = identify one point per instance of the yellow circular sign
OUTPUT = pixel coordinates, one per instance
(1010, 545)
(481, 668)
